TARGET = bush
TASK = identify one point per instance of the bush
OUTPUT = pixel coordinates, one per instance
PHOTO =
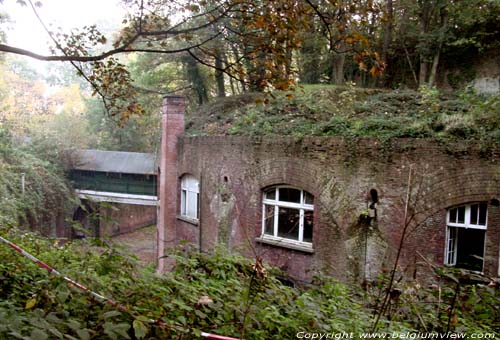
(219, 293)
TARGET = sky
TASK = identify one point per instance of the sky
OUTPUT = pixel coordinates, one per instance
(26, 32)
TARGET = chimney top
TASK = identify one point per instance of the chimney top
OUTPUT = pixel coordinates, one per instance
(174, 105)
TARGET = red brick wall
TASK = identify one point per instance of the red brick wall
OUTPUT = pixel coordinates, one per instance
(123, 218)
(340, 174)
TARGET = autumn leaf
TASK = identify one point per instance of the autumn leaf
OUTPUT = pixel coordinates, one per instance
(30, 303)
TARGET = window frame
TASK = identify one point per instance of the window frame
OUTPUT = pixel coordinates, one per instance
(276, 204)
(451, 242)
(189, 186)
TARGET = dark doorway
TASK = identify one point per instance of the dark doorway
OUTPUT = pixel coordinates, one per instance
(85, 222)
(470, 249)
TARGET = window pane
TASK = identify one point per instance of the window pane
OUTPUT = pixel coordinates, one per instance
(192, 205)
(271, 194)
(288, 223)
(183, 202)
(308, 198)
(190, 183)
(289, 195)
(308, 226)
(482, 214)
(453, 215)
(269, 219)
(461, 215)
(452, 239)
(473, 213)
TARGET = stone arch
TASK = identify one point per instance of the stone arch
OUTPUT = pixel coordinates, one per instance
(85, 221)
(442, 192)
(309, 175)
(460, 188)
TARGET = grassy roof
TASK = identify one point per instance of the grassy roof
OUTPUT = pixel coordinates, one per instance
(325, 110)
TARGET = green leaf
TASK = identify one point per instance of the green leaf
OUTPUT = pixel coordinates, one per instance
(83, 334)
(143, 318)
(140, 330)
(111, 314)
(74, 325)
(55, 332)
(181, 319)
(200, 314)
(38, 334)
(122, 329)
(62, 296)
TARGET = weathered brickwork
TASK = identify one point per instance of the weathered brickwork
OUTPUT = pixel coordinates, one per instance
(351, 241)
(124, 218)
(233, 171)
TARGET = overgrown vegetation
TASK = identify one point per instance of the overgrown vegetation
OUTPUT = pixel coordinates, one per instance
(33, 188)
(321, 110)
(219, 293)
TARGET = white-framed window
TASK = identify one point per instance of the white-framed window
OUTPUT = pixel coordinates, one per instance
(466, 236)
(287, 215)
(190, 193)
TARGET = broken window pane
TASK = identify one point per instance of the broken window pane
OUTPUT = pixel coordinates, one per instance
(288, 223)
(470, 249)
(308, 198)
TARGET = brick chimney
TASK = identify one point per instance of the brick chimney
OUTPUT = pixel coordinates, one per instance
(172, 127)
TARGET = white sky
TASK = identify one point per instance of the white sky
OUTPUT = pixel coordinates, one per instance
(26, 32)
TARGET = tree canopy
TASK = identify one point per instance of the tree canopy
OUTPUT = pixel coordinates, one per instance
(241, 46)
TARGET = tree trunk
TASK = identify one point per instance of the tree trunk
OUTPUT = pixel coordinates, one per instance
(337, 65)
(426, 8)
(388, 28)
(219, 74)
(422, 74)
(387, 34)
(435, 62)
(196, 79)
(237, 57)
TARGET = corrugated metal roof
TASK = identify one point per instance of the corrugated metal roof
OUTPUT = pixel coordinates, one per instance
(114, 161)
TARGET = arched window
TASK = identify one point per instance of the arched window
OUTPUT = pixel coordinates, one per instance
(190, 192)
(466, 236)
(287, 215)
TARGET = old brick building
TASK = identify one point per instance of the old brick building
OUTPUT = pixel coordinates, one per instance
(326, 204)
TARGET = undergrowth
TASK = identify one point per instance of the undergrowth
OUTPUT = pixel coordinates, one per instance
(33, 189)
(219, 293)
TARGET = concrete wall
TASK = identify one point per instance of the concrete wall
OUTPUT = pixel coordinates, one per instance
(347, 242)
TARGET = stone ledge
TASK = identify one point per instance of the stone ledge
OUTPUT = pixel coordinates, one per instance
(192, 221)
(284, 243)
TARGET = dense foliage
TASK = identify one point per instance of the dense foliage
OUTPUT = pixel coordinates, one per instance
(217, 293)
(237, 46)
(352, 112)
(33, 189)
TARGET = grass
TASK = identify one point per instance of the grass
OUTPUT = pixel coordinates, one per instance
(348, 111)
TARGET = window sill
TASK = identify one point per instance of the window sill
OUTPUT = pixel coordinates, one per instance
(285, 243)
(189, 220)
